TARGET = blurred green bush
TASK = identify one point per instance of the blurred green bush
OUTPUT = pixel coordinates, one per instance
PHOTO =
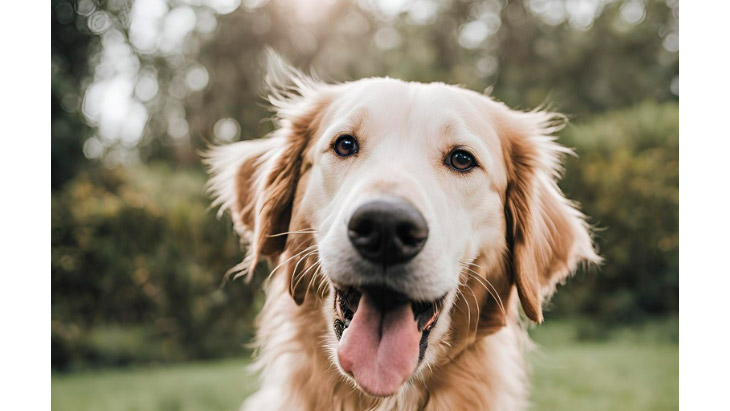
(137, 266)
(138, 258)
(626, 177)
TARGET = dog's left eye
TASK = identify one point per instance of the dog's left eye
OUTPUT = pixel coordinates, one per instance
(346, 145)
(461, 160)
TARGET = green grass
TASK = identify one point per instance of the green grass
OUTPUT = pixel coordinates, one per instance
(627, 369)
(630, 369)
(217, 385)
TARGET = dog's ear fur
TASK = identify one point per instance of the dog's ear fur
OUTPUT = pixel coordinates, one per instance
(256, 180)
(546, 234)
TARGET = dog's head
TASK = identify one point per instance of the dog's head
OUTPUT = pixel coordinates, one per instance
(414, 209)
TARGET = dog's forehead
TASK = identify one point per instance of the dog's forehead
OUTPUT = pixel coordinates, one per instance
(391, 99)
(385, 107)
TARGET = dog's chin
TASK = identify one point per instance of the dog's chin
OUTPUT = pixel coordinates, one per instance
(383, 336)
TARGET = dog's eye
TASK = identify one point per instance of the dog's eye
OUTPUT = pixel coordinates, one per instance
(346, 145)
(461, 160)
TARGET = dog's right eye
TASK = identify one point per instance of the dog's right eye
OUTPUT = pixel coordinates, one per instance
(346, 145)
(461, 160)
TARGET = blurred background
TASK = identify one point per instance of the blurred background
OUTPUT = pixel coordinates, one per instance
(140, 87)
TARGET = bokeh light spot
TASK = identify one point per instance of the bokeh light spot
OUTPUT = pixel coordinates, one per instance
(423, 11)
(178, 128)
(147, 87)
(93, 148)
(633, 11)
(196, 77)
(674, 85)
(206, 22)
(65, 13)
(473, 34)
(254, 4)
(99, 22)
(85, 7)
(226, 130)
(224, 6)
(487, 66)
(551, 11)
(387, 38)
(671, 42)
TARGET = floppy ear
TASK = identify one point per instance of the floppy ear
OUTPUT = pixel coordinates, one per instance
(546, 234)
(256, 180)
(243, 183)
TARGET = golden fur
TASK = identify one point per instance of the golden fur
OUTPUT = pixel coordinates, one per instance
(478, 362)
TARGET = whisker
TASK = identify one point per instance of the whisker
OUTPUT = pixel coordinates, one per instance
(289, 259)
(315, 265)
(302, 231)
(495, 294)
(481, 280)
(471, 263)
(295, 272)
(492, 291)
(468, 309)
(323, 281)
(476, 302)
(301, 275)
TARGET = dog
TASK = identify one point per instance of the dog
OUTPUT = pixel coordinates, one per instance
(406, 223)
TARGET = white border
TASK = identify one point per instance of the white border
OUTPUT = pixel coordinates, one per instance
(25, 220)
(704, 185)
(704, 209)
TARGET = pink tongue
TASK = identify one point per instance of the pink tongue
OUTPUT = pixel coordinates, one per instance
(381, 351)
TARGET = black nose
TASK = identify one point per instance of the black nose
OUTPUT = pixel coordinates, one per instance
(387, 232)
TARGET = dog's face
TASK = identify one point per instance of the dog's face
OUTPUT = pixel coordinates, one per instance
(402, 192)
(410, 208)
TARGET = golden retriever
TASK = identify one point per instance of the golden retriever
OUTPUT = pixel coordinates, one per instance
(405, 222)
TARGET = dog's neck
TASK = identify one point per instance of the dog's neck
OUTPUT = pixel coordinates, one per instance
(296, 370)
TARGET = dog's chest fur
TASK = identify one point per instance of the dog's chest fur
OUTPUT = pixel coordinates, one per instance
(297, 373)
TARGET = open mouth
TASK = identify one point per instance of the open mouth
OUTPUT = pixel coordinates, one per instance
(383, 335)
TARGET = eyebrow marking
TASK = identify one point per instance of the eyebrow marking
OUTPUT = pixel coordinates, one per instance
(447, 128)
(358, 119)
